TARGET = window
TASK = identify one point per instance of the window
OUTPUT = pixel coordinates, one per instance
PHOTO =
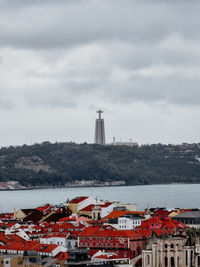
(117, 245)
(166, 261)
(148, 259)
(172, 262)
(111, 245)
(186, 256)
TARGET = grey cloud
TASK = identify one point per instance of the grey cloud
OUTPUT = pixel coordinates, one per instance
(172, 89)
(49, 98)
(6, 103)
(134, 36)
(73, 23)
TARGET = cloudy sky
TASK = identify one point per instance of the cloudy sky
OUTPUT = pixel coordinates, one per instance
(61, 60)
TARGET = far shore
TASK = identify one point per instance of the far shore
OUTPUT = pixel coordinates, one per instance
(86, 186)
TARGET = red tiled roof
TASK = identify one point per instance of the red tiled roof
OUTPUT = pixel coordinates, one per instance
(116, 233)
(75, 233)
(91, 206)
(66, 219)
(62, 256)
(107, 204)
(16, 245)
(118, 213)
(48, 248)
(161, 212)
(88, 208)
(157, 224)
(77, 200)
(61, 235)
(43, 208)
(99, 232)
(89, 231)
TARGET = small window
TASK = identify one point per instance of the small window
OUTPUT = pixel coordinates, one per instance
(148, 259)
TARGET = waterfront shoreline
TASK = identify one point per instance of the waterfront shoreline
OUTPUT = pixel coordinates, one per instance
(87, 186)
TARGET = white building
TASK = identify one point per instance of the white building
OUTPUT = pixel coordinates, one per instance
(129, 222)
(101, 211)
(59, 239)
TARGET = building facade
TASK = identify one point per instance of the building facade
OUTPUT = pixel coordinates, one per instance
(180, 250)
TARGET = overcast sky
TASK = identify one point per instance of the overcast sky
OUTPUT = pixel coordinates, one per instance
(61, 60)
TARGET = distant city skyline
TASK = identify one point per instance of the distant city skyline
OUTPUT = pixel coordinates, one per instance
(143, 70)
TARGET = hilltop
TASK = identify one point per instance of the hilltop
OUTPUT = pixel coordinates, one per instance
(61, 163)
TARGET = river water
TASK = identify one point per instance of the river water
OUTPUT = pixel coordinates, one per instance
(170, 196)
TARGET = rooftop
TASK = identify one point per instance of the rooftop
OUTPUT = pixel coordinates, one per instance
(77, 200)
(188, 214)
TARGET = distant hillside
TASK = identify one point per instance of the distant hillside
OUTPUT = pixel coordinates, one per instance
(60, 163)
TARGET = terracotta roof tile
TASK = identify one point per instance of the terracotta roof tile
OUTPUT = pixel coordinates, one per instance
(77, 200)
(117, 213)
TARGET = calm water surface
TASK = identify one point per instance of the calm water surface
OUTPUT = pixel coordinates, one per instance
(171, 196)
